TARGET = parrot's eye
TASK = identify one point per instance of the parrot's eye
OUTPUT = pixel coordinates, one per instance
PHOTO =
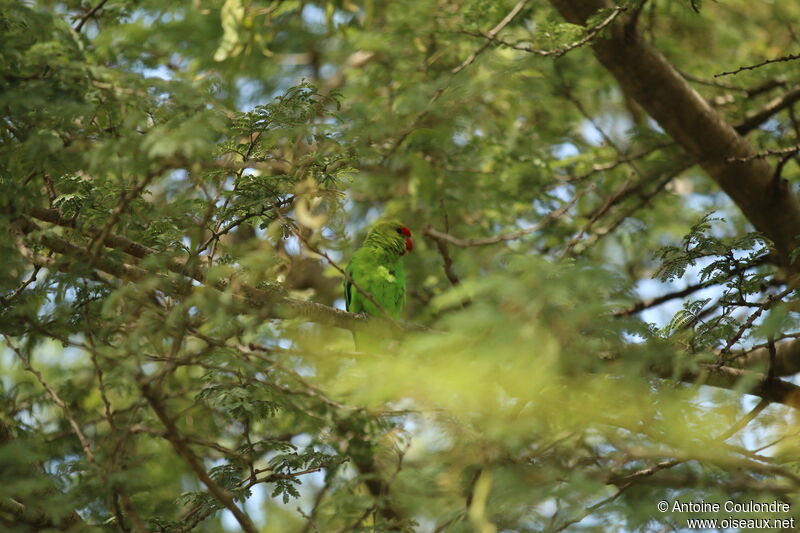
(399, 230)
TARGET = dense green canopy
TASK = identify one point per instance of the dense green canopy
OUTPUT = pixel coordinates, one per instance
(601, 308)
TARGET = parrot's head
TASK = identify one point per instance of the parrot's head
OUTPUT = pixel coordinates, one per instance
(390, 235)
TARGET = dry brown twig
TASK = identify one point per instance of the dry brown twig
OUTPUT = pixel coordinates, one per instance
(789, 57)
(181, 447)
(512, 236)
(26, 362)
(763, 155)
(558, 52)
(490, 36)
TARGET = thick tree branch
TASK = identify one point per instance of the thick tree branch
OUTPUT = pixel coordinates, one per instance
(768, 111)
(656, 85)
(786, 358)
(726, 377)
(272, 301)
(723, 377)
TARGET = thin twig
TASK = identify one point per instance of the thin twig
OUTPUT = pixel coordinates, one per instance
(591, 509)
(765, 154)
(625, 190)
(686, 291)
(558, 52)
(444, 251)
(749, 93)
(746, 419)
(24, 285)
(55, 398)
(771, 108)
(490, 36)
(652, 302)
(789, 57)
(99, 371)
(512, 236)
(645, 198)
(771, 299)
(219, 492)
(125, 199)
(621, 160)
(645, 472)
(216, 234)
(90, 14)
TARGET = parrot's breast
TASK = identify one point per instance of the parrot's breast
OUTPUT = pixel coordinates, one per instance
(386, 274)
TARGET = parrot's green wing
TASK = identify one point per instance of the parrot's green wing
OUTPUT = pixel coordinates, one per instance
(350, 292)
(380, 277)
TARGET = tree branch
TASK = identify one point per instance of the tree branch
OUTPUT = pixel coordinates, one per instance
(786, 358)
(490, 36)
(649, 79)
(768, 111)
(92, 12)
(789, 57)
(271, 301)
(791, 150)
(558, 52)
(181, 447)
(87, 449)
(437, 235)
(726, 377)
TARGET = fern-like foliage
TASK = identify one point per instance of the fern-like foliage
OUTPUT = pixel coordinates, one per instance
(729, 254)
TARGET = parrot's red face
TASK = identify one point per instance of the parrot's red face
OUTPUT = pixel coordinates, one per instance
(409, 241)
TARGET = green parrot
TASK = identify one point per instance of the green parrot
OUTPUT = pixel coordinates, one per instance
(377, 269)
